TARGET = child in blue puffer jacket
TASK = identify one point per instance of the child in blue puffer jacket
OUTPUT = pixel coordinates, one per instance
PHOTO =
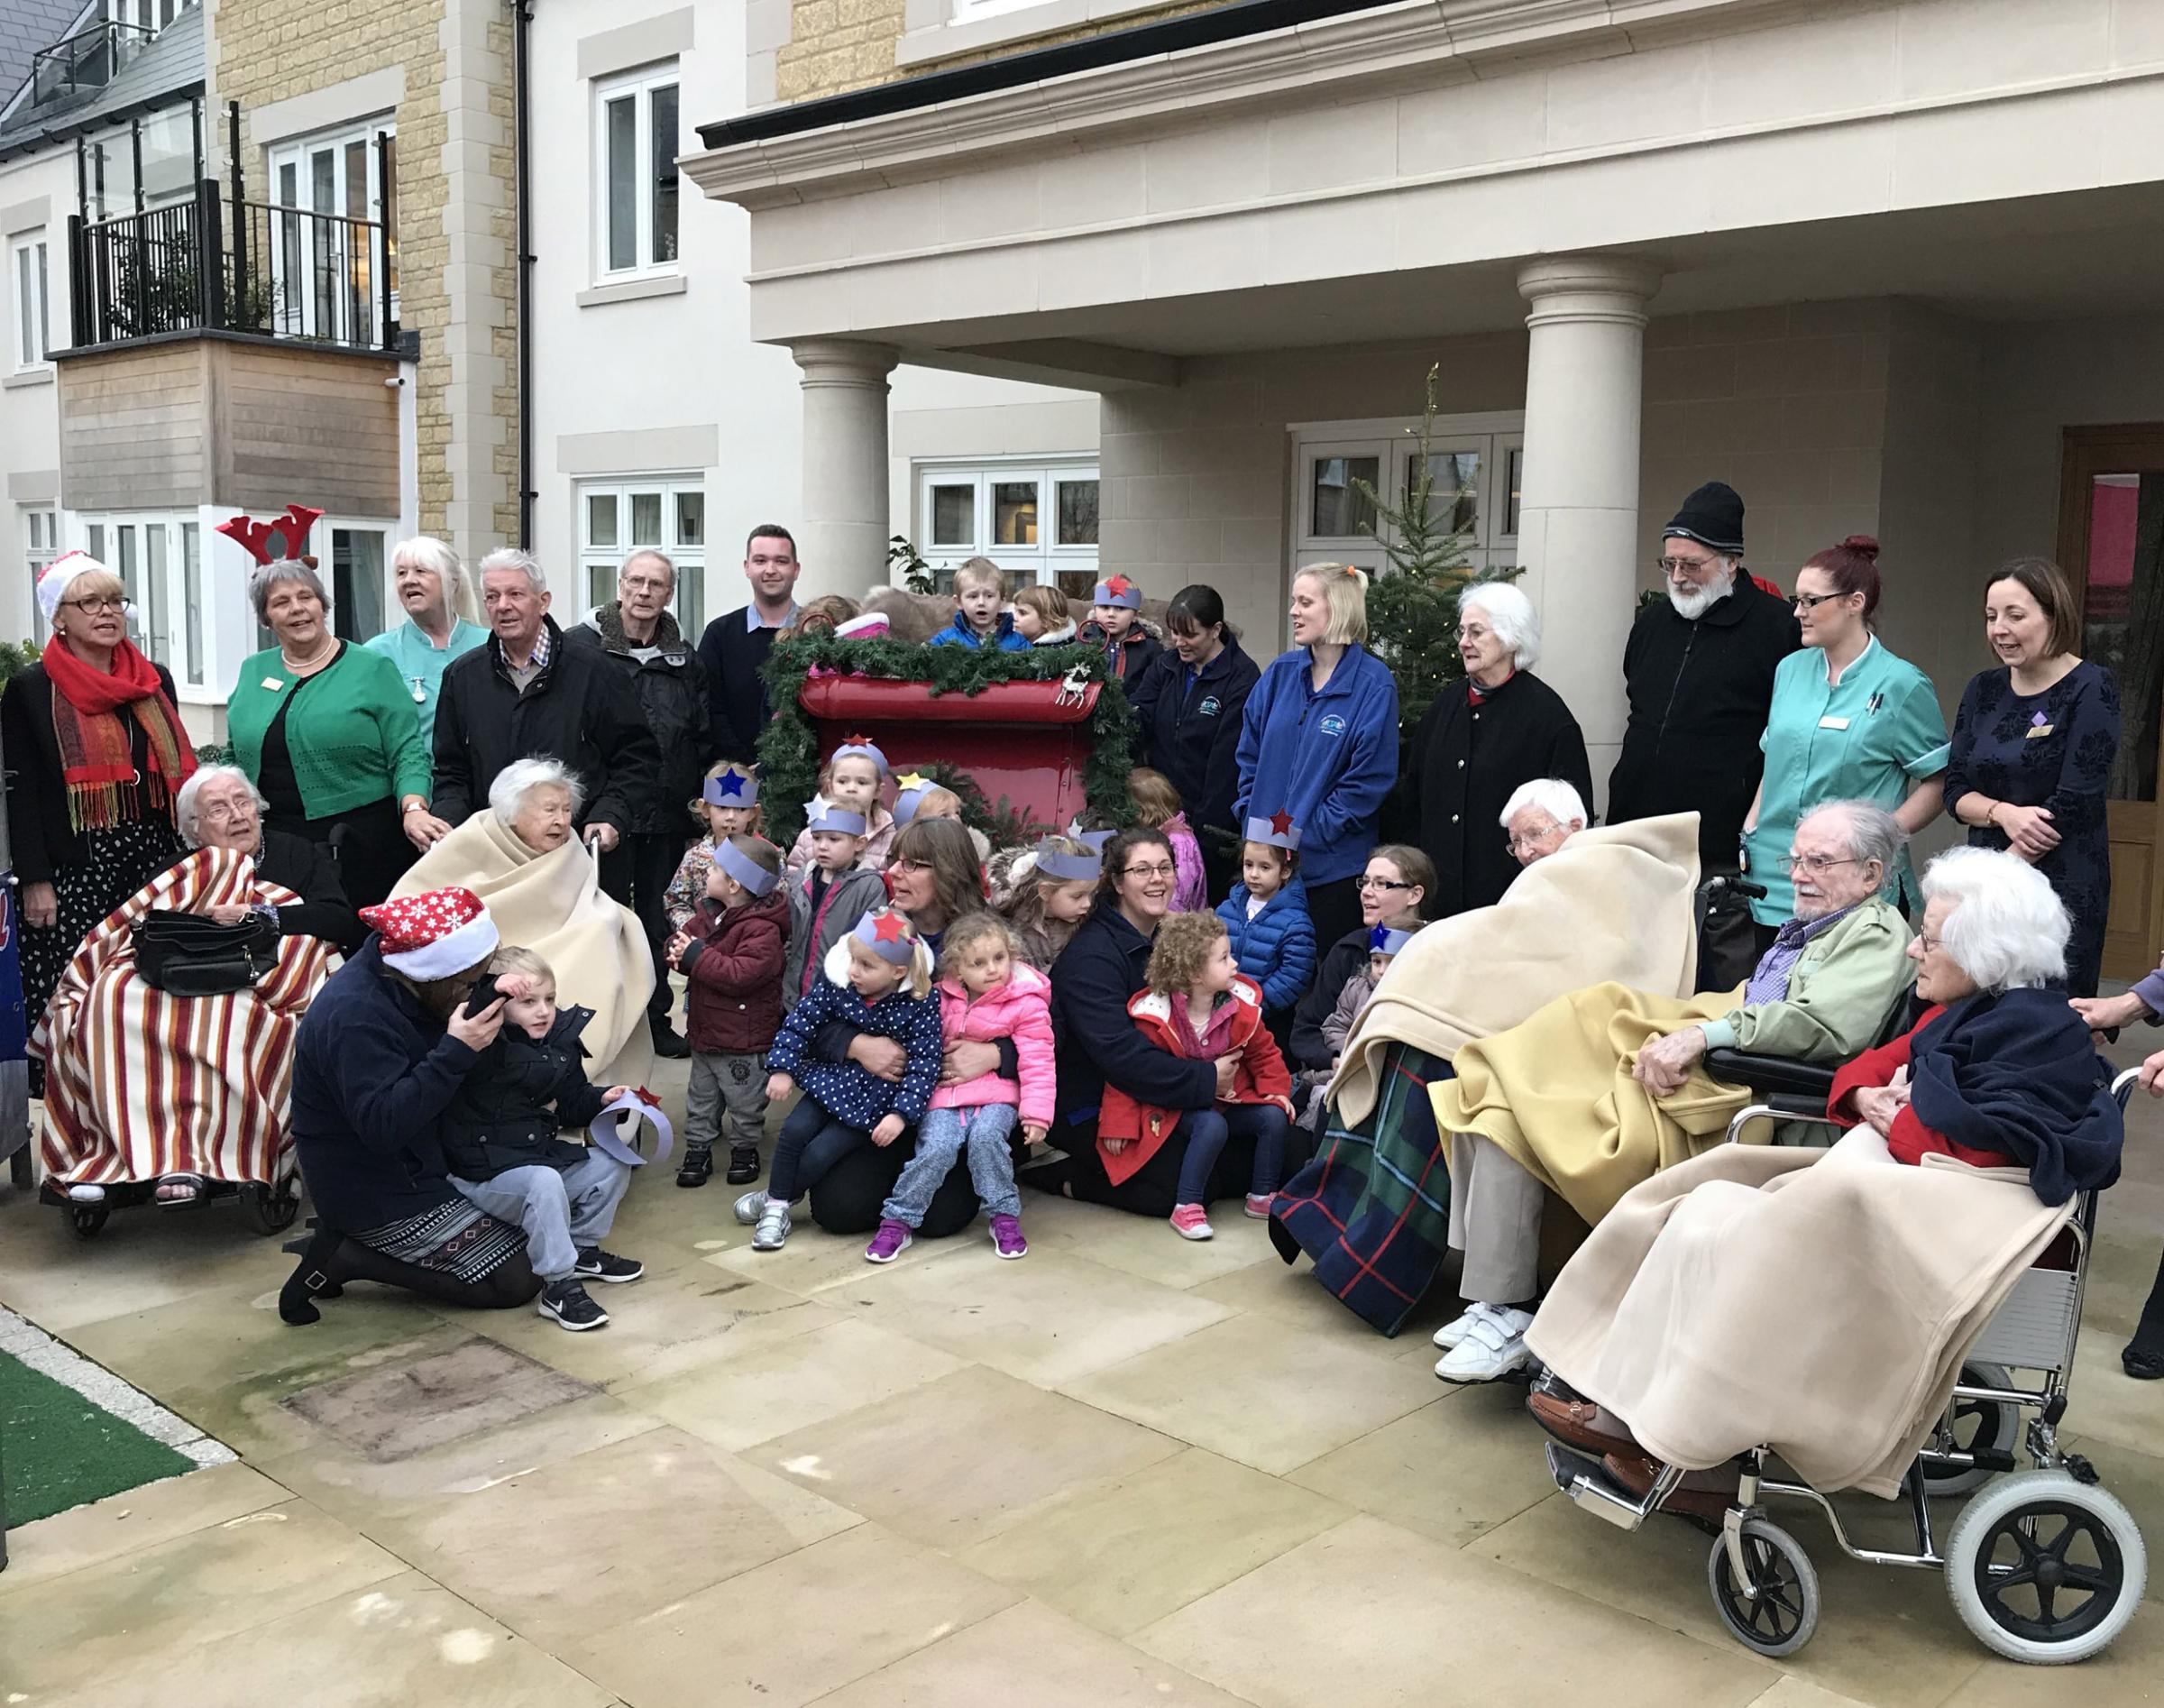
(980, 590)
(1273, 939)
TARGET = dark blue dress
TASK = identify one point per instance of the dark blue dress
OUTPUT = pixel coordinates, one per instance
(2051, 750)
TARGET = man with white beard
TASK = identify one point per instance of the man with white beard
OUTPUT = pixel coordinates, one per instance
(1699, 670)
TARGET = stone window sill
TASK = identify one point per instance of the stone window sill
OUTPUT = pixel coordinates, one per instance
(35, 376)
(945, 41)
(634, 291)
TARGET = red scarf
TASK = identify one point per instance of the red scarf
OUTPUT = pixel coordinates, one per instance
(97, 761)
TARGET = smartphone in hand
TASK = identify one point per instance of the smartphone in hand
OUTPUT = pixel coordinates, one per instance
(484, 993)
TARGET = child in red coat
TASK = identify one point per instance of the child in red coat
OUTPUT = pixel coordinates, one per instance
(731, 954)
(1196, 1005)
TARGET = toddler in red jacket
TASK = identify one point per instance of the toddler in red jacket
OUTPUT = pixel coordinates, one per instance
(731, 955)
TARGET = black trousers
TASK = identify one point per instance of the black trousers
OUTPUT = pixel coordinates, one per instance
(637, 872)
(1334, 907)
(847, 1198)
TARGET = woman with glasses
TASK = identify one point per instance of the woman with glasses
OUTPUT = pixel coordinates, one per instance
(1499, 727)
(1398, 879)
(1849, 721)
(95, 755)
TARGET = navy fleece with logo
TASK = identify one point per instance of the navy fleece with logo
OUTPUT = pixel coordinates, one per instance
(1327, 759)
(1188, 722)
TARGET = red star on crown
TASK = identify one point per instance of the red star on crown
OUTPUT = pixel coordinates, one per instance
(888, 928)
(858, 740)
(1117, 586)
(1280, 822)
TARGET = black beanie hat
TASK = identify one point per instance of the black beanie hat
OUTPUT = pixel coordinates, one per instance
(1712, 516)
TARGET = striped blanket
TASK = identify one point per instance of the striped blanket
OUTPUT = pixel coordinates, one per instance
(140, 1084)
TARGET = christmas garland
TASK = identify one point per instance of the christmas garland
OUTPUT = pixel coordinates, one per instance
(789, 749)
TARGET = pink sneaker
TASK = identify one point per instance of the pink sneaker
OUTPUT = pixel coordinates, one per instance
(1259, 1203)
(1006, 1236)
(1191, 1221)
(889, 1243)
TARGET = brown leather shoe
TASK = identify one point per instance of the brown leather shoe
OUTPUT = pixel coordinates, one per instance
(1574, 1423)
(1706, 1507)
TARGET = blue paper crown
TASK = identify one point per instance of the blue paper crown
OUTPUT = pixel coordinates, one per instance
(823, 814)
(1383, 940)
(732, 788)
(746, 870)
(898, 947)
(858, 749)
(1277, 830)
(1070, 869)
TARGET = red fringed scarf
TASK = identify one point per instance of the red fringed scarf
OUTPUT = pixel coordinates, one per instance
(97, 752)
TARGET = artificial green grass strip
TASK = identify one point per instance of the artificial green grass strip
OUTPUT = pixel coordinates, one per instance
(58, 1450)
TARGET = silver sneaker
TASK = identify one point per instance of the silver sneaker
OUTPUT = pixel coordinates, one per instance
(773, 1228)
(750, 1206)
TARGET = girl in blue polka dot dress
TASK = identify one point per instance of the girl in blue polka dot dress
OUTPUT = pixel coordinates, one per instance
(878, 981)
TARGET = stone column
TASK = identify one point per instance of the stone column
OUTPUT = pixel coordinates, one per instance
(842, 533)
(1577, 509)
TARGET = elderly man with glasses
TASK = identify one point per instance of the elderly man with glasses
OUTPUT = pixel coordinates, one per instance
(1698, 671)
(1562, 1103)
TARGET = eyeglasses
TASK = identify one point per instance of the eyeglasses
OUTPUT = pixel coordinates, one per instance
(220, 811)
(1365, 882)
(909, 866)
(1526, 844)
(97, 602)
(1473, 631)
(1693, 567)
(1159, 871)
(1812, 601)
(1928, 944)
(1815, 864)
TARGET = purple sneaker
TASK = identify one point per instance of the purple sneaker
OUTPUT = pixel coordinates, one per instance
(889, 1243)
(1006, 1236)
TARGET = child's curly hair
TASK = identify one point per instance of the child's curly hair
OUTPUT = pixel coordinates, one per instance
(821, 616)
(969, 930)
(1182, 948)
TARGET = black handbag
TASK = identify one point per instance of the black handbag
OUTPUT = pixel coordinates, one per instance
(192, 955)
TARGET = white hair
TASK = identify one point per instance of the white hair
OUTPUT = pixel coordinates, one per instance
(512, 557)
(431, 554)
(1874, 833)
(521, 777)
(185, 816)
(1511, 616)
(657, 556)
(1559, 800)
(2006, 927)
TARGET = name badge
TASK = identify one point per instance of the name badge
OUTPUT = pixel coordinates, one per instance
(1832, 722)
(2038, 731)
(271, 685)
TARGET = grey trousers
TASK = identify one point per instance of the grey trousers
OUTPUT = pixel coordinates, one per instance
(564, 1211)
(1495, 1220)
(730, 1084)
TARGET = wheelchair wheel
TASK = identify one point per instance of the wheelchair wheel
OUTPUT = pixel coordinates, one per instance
(2045, 1569)
(1780, 1620)
(1980, 1425)
(271, 1209)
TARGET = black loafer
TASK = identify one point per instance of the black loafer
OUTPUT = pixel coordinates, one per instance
(2143, 1363)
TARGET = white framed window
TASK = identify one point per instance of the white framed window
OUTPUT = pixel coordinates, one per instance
(146, 14)
(1474, 463)
(358, 579)
(30, 277)
(635, 179)
(159, 559)
(665, 512)
(1037, 520)
(330, 194)
(40, 545)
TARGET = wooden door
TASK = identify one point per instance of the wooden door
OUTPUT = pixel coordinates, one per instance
(2111, 543)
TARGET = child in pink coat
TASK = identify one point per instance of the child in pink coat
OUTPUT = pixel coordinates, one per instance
(986, 992)
(1157, 807)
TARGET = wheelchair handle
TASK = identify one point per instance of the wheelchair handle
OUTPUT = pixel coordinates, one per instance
(2123, 1084)
(1741, 885)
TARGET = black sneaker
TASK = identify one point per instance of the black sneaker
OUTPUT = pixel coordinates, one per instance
(596, 1264)
(567, 1302)
(698, 1166)
(668, 1042)
(743, 1164)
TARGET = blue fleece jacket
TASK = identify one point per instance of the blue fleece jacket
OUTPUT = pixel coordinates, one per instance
(1327, 759)
(1276, 948)
(1004, 638)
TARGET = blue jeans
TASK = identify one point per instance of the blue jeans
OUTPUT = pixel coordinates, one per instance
(1207, 1131)
(810, 1142)
(940, 1137)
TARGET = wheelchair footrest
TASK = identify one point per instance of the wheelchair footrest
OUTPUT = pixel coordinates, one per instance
(1586, 1481)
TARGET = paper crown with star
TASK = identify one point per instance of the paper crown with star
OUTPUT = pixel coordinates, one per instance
(909, 790)
(746, 870)
(888, 935)
(1383, 940)
(1276, 830)
(1092, 839)
(1117, 590)
(823, 814)
(858, 747)
(732, 787)
(1070, 868)
(434, 934)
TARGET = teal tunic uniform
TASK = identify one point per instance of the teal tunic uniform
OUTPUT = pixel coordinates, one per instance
(421, 662)
(1872, 736)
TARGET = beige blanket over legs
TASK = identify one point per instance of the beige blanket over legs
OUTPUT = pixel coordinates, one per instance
(554, 905)
(1818, 1302)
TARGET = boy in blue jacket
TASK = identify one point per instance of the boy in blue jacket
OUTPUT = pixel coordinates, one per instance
(981, 589)
(1273, 939)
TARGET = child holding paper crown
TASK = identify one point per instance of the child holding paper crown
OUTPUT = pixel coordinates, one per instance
(852, 778)
(732, 959)
(878, 981)
(827, 896)
(729, 805)
(1266, 916)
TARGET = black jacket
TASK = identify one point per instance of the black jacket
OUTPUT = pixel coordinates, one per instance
(1348, 955)
(1101, 967)
(1191, 732)
(672, 691)
(1130, 661)
(38, 833)
(1467, 761)
(311, 874)
(501, 1118)
(1699, 696)
(731, 655)
(580, 708)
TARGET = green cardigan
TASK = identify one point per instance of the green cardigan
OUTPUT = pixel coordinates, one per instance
(1844, 986)
(355, 738)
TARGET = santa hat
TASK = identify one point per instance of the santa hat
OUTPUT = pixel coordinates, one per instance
(60, 574)
(874, 625)
(1276, 830)
(434, 934)
(1117, 590)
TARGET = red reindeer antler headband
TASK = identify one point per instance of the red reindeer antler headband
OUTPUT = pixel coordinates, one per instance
(254, 538)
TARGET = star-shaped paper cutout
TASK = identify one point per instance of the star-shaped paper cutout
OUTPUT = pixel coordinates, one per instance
(1117, 586)
(888, 928)
(733, 783)
(910, 780)
(1280, 822)
(858, 740)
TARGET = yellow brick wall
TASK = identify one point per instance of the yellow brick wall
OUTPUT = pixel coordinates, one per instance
(271, 49)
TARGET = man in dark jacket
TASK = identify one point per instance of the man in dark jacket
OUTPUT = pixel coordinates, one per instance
(527, 695)
(639, 639)
(735, 643)
(1699, 670)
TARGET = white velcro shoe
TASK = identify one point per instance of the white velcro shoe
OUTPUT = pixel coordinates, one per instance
(1456, 1330)
(1493, 1347)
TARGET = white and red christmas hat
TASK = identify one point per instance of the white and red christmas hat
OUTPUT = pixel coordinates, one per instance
(434, 934)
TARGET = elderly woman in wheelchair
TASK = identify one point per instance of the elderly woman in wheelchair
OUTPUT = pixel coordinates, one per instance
(1826, 1306)
(1606, 1086)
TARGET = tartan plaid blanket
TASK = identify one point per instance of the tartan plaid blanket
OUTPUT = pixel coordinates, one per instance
(1372, 1209)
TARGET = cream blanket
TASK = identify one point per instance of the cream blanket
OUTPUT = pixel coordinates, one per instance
(1818, 1302)
(1612, 904)
(554, 905)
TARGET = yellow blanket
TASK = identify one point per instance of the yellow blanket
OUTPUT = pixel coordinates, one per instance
(554, 905)
(1556, 1092)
